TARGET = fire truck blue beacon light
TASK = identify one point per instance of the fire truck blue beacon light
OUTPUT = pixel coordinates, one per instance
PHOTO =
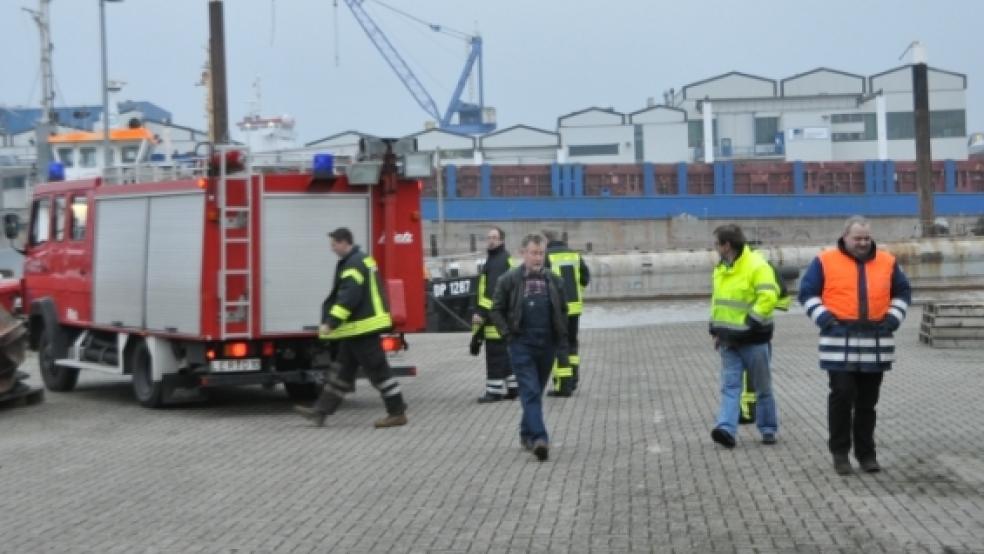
(56, 171)
(323, 166)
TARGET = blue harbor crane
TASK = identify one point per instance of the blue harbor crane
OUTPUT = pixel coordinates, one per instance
(472, 119)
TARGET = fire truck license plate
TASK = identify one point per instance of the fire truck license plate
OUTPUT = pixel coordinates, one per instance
(249, 364)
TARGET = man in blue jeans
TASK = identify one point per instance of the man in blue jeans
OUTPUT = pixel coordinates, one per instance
(530, 312)
(745, 294)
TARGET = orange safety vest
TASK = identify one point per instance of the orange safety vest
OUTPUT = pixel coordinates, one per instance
(840, 292)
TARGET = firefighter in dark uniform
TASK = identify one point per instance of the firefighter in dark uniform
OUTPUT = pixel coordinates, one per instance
(570, 267)
(747, 403)
(500, 383)
(354, 315)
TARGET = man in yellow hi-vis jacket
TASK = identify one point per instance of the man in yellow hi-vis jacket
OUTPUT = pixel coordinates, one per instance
(570, 267)
(500, 383)
(354, 314)
(744, 297)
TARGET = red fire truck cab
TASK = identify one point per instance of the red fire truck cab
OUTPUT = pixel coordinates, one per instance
(186, 277)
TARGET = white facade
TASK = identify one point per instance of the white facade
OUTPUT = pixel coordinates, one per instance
(520, 144)
(344, 146)
(661, 134)
(175, 138)
(455, 149)
(596, 135)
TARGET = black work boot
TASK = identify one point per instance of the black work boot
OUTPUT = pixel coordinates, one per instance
(488, 398)
(326, 404)
(842, 464)
(869, 465)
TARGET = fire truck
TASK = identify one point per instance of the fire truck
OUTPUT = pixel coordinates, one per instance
(191, 275)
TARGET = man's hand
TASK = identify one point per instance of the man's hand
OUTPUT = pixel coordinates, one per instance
(475, 346)
(753, 324)
(324, 329)
(826, 320)
(477, 319)
(890, 324)
(717, 343)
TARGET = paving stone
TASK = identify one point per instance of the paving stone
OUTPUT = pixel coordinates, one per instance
(632, 467)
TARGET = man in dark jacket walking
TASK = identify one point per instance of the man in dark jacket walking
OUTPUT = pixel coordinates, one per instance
(500, 383)
(530, 312)
(354, 315)
(858, 297)
(573, 272)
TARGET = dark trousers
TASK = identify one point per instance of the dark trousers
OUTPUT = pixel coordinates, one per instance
(532, 355)
(365, 352)
(851, 412)
(565, 379)
(498, 371)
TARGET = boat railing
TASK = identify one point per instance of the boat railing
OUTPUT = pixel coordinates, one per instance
(155, 172)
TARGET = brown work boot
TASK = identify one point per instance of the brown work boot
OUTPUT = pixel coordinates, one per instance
(391, 421)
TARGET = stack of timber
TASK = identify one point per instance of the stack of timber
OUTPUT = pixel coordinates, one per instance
(953, 325)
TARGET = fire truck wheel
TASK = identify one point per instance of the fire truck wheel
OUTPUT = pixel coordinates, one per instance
(150, 394)
(58, 379)
(302, 392)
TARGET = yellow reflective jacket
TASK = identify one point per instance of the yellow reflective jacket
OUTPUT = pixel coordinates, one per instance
(745, 295)
(356, 305)
(570, 267)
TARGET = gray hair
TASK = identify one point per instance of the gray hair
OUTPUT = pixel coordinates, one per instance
(852, 221)
(535, 239)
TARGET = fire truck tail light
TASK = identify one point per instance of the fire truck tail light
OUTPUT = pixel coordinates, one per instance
(236, 349)
(202, 183)
(212, 213)
(210, 353)
(390, 344)
(268, 349)
(415, 216)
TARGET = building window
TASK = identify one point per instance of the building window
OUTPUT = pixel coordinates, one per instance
(864, 126)
(948, 123)
(457, 154)
(695, 133)
(639, 151)
(15, 182)
(67, 157)
(130, 154)
(80, 208)
(766, 129)
(847, 118)
(87, 157)
(593, 150)
(942, 124)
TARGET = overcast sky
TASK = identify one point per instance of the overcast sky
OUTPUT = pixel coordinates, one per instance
(543, 58)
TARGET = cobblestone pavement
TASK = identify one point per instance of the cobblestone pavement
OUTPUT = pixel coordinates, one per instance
(632, 466)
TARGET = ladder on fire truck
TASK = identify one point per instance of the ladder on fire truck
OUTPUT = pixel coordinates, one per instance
(236, 315)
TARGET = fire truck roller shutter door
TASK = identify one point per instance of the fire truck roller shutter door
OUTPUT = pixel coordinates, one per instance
(297, 264)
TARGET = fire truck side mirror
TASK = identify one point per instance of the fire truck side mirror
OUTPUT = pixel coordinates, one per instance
(11, 226)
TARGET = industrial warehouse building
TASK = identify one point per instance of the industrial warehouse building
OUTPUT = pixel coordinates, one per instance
(820, 115)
